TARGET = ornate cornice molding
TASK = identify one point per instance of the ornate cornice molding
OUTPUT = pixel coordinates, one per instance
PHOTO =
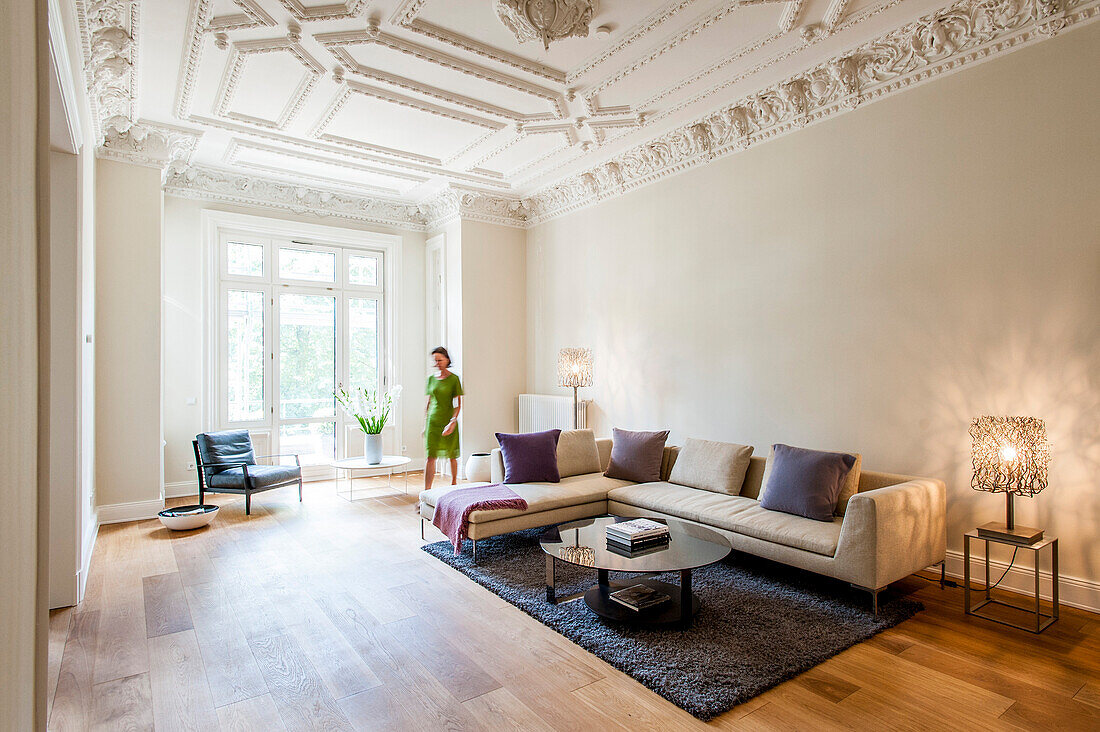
(108, 29)
(224, 185)
(451, 204)
(215, 184)
(938, 43)
(149, 144)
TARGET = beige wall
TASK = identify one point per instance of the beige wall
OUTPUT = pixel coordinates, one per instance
(492, 359)
(870, 283)
(128, 356)
(184, 335)
(18, 367)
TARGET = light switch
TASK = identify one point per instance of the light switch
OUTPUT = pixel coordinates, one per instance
(192, 401)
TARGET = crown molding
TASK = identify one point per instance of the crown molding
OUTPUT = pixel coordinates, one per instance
(216, 184)
(938, 43)
(108, 33)
(452, 204)
(149, 144)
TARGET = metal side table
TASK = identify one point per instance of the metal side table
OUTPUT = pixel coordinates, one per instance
(1042, 620)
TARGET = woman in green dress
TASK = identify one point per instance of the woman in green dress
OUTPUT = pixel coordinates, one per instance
(441, 417)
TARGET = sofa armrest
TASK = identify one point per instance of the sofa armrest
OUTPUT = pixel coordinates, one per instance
(496, 466)
(889, 533)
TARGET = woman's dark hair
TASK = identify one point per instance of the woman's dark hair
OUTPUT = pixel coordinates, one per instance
(443, 352)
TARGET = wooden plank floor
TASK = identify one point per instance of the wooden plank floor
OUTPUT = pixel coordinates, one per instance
(326, 615)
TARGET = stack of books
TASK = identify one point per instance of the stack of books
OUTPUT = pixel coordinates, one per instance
(639, 597)
(636, 537)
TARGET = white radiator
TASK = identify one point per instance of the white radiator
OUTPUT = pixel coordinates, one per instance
(538, 412)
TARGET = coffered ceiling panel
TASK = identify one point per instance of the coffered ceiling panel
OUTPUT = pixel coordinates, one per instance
(397, 99)
(429, 132)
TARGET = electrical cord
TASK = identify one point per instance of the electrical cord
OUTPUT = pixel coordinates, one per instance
(1007, 569)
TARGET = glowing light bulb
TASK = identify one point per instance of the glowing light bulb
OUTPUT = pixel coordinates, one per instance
(576, 368)
(1008, 453)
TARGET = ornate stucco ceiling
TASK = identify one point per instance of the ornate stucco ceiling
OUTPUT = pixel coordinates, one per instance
(407, 109)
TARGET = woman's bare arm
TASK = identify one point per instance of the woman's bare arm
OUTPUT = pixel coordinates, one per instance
(454, 417)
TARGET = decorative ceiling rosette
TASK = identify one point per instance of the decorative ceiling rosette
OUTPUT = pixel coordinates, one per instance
(546, 20)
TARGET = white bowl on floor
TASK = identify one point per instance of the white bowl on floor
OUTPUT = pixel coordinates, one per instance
(183, 518)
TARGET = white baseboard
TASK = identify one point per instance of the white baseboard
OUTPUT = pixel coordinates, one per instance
(115, 513)
(1072, 591)
(181, 489)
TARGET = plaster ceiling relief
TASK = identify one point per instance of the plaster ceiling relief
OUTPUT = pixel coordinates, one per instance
(397, 100)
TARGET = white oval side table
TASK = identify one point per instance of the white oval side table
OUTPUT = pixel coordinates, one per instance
(348, 466)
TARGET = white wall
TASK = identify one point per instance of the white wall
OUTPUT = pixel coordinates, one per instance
(19, 68)
(494, 332)
(184, 362)
(870, 283)
(128, 327)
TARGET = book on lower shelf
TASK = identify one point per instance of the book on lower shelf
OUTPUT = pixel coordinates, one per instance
(639, 597)
(635, 530)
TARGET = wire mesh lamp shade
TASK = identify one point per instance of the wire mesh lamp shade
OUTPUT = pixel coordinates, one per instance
(1010, 455)
(575, 370)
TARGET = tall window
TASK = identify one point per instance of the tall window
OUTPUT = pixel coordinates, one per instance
(295, 320)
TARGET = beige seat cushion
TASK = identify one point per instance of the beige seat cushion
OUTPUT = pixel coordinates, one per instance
(848, 487)
(711, 466)
(706, 507)
(732, 513)
(572, 491)
(577, 453)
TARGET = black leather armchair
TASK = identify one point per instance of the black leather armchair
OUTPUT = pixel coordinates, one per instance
(226, 463)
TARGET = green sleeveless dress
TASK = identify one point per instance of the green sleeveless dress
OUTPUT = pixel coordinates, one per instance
(442, 393)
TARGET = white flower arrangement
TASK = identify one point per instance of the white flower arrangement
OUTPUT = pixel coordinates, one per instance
(369, 407)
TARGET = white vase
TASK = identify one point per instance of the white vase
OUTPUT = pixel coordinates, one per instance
(372, 448)
(478, 468)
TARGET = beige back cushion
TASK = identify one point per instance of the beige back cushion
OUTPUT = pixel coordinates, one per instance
(668, 459)
(577, 453)
(604, 446)
(711, 466)
(848, 487)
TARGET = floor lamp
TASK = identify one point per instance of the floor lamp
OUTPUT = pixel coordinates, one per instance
(575, 370)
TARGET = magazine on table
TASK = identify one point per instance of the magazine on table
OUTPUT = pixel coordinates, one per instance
(636, 529)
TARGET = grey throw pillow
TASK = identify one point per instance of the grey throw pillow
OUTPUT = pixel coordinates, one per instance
(636, 456)
(805, 482)
(719, 467)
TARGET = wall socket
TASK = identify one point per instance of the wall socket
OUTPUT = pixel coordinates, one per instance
(190, 466)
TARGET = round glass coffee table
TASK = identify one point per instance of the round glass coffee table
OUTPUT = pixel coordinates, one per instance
(584, 543)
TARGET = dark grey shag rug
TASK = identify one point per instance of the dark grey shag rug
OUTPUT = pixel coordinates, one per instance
(761, 623)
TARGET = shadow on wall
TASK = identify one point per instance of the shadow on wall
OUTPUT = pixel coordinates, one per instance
(1052, 373)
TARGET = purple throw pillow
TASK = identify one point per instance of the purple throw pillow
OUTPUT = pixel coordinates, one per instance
(636, 456)
(530, 457)
(805, 482)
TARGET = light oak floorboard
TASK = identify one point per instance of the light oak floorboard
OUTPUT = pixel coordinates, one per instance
(326, 614)
(181, 696)
(258, 714)
(123, 704)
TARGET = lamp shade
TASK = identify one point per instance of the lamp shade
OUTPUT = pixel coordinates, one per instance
(1010, 455)
(575, 367)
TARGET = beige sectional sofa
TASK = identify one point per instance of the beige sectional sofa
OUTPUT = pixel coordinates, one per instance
(893, 526)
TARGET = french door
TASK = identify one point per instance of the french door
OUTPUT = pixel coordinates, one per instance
(298, 320)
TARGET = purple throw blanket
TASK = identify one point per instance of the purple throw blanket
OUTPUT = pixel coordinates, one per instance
(453, 509)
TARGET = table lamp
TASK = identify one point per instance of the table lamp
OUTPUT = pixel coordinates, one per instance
(575, 370)
(1010, 456)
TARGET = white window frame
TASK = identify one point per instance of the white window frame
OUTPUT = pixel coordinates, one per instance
(219, 228)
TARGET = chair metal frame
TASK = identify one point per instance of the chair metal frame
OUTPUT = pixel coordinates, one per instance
(249, 489)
